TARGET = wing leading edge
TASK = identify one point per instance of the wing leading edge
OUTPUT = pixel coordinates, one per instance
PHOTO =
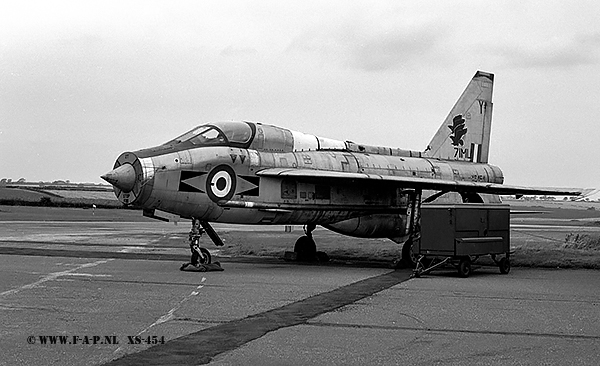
(417, 182)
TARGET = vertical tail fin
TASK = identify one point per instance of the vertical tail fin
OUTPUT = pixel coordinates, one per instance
(465, 133)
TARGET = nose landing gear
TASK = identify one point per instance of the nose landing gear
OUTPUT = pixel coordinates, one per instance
(199, 255)
(201, 260)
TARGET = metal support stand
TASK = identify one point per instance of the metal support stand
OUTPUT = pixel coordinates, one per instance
(421, 270)
(415, 232)
(413, 229)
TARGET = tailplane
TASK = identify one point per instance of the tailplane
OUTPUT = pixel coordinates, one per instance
(465, 133)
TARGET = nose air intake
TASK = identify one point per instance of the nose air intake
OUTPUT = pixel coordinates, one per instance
(122, 177)
(132, 178)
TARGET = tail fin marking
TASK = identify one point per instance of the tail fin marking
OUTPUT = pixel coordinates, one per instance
(465, 133)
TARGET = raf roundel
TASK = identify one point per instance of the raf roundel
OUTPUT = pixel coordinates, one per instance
(221, 183)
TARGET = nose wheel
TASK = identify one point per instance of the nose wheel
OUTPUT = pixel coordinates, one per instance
(200, 255)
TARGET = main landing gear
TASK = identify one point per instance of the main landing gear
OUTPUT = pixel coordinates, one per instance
(305, 248)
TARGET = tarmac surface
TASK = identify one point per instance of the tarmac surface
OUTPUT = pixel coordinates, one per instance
(55, 282)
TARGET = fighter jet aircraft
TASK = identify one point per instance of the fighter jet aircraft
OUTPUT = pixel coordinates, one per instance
(255, 173)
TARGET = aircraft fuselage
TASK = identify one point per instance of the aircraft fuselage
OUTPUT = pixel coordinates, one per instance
(225, 183)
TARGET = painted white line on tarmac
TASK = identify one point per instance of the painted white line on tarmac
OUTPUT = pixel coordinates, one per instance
(53, 276)
(553, 227)
(169, 314)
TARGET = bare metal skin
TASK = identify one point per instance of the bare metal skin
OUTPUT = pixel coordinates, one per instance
(253, 173)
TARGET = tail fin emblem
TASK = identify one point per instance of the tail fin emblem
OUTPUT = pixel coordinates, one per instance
(458, 130)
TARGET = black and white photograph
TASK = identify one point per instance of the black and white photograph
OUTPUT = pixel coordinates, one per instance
(268, 182)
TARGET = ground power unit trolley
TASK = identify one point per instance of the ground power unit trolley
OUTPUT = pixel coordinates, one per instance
(459, 234)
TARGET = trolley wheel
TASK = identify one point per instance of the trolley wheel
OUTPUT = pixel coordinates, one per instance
(201, 258)
(504, 265)
(464, 267)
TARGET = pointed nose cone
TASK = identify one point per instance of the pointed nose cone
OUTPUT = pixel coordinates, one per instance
(122, 177)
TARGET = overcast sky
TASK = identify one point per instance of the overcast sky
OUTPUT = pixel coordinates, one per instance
(83, 81)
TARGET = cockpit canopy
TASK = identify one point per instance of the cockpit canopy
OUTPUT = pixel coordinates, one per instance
(217, 133)
(268, 138)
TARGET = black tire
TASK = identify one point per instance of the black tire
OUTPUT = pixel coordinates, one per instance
(305, 248)
(504, 265)
(205, 258)
(464, 268)
(409, 256)
(322, 257)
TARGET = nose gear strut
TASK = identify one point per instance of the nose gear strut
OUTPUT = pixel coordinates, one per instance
(201, 260)
(199, 255)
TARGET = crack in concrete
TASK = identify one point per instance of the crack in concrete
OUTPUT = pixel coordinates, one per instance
(446, 330)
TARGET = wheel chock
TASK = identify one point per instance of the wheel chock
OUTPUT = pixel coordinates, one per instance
(210, 267)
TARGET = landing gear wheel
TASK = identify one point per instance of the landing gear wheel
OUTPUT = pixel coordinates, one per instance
(464, 268)
(504, 265)
(409, 256)
(200, 256)
(305, 248)
(322, 257)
